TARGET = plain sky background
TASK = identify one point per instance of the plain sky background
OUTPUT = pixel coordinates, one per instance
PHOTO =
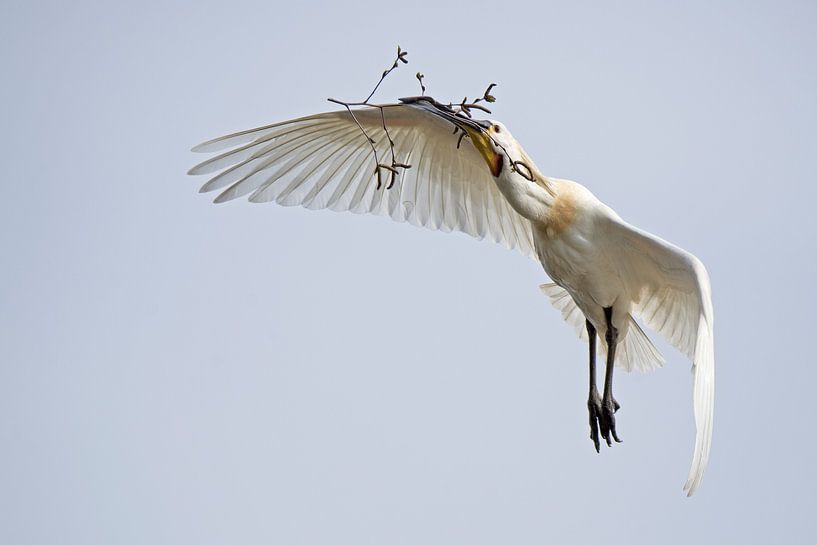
(172, 371)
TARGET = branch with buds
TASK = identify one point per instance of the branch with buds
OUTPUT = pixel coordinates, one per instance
(463, 109)
(394, 167)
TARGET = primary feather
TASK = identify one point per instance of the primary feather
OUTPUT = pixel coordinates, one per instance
(324, 161)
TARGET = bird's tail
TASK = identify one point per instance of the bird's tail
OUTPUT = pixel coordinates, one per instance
(636, 351)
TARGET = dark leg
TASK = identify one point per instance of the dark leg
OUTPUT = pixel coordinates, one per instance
(607, 420)
(593, 400)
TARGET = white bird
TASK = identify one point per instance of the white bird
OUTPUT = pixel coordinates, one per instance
(606, 272)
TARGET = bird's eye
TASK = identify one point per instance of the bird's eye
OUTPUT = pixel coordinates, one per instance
(496, 129)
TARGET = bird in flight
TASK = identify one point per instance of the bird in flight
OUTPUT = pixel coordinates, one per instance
(605, 271)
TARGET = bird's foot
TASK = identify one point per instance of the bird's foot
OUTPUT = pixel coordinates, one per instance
(594, 408)
(607, 420)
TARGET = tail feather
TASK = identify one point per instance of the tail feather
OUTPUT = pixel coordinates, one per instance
(636, 351)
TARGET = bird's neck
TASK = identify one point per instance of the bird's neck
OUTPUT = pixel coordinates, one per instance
(534, 198)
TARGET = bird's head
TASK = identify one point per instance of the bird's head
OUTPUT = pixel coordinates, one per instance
(494, 142)
(490, 138)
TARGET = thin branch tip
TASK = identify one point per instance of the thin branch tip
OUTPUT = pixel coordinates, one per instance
(463, 109)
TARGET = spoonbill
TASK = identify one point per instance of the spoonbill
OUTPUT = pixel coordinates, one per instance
(605, 272)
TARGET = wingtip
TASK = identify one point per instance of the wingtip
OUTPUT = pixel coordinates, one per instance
(204, 147)
(201, 168)
(690, 487)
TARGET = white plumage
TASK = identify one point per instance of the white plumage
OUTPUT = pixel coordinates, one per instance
(596, 260)
(323, 161)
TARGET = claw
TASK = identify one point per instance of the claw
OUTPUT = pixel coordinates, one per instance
(607, 421)
(594, 410)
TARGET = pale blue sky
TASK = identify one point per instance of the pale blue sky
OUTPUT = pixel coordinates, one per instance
(172, 371)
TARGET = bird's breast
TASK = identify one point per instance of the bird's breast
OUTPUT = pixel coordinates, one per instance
(561, 215)
(564, 256)
(571, 248)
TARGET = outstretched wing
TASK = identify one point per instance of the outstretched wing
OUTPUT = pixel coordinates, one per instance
(325, 161)
(671, 294)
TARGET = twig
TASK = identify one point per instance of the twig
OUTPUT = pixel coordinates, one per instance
(395, 164)
(527, 174)
(520, 167)
(401, 57)
(420, 77)
(462, 109)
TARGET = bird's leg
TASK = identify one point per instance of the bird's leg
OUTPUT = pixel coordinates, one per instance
(607, 420)
(593, 400)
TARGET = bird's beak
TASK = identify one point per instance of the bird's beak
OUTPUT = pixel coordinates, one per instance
(482, 141)
(476, 130)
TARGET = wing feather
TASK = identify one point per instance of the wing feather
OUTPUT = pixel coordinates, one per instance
(323, 161)
(261, 147)
(248, 169)
(671, 292)
(251, 135)
(329, 175)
